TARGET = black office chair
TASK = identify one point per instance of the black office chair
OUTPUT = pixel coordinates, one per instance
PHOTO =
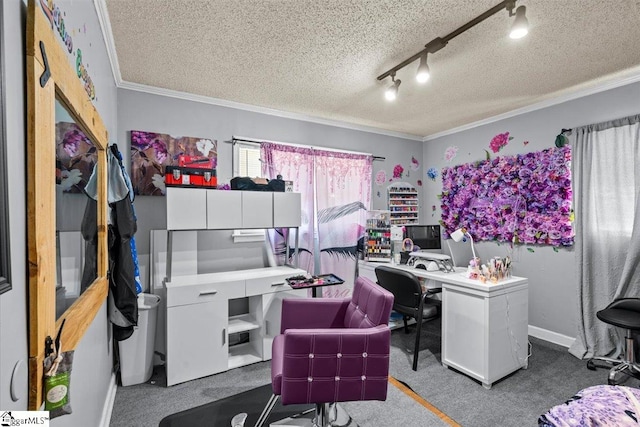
(623, 313)
(409, 300)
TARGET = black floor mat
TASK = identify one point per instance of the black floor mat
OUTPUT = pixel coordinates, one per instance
(220, 412)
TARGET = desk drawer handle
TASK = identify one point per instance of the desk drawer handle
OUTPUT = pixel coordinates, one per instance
(202, 293)
(277, 284)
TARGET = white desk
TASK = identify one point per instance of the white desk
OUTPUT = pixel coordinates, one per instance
(484, 325)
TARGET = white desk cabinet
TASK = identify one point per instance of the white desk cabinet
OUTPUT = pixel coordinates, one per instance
(198, 325)
(484, 325)
(484, 328)
(197, 343)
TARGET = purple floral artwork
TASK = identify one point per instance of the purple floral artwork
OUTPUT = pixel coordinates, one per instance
(75, 157)
(499, 141)
(522, 199)
(381, 177)
(450, 153)
(151, 152)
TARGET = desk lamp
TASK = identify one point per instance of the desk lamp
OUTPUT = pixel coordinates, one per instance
(462, 234)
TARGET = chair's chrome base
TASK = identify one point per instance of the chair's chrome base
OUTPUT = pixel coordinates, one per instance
(326, 415)
(620, 369)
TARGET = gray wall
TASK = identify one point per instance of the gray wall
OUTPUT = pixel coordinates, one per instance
(148, 112)
(92, 369)
(553, 303)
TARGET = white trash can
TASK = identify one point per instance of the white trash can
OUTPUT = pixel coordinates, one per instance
(136, 352)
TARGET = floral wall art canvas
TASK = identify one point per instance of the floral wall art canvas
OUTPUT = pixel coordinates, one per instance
(522, 199)
(75, 157)
(151, 152)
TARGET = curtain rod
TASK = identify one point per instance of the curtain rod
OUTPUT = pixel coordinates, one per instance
(235, 139)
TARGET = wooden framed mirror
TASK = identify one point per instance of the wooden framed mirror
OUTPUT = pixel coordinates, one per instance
(51, 79)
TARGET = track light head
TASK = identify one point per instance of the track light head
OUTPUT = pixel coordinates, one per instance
(392, 91)
(423, 73)
(520, 27)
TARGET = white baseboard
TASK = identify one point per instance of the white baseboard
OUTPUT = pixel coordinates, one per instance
(108, 402)
(551, 336)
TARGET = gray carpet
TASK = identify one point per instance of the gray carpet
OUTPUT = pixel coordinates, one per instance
(517, 400)
(147, 404)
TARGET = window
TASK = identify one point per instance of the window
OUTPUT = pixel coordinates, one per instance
(5, 276)
(246, 159)
(246, 162)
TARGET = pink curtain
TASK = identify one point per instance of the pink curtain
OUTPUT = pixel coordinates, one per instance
(343, 196)
(340, 193)
(294, 164)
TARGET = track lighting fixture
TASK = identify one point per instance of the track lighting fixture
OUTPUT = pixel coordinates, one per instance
(422, 75)
(392, 91)
(519, 29)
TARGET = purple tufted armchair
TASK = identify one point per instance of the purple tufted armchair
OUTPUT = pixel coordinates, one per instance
(332, 350)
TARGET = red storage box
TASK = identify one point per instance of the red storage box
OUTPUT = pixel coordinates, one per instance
(177, 176)
(196, 162)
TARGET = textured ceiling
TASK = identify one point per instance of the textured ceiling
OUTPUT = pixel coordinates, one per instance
(321, 58)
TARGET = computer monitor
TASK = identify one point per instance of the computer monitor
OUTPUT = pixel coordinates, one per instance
(427, 237)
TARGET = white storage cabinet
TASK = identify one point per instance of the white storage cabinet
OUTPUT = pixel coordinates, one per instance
(198, 326)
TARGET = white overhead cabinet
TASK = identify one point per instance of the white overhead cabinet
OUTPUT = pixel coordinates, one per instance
(201, 338)
(200, 209)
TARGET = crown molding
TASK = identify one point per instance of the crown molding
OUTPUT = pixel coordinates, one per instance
(262, 110)
(107, 33)
(616, 82)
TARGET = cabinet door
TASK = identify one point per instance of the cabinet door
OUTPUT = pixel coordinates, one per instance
(257, 209)
(197, 341)
(186, 208)
(224, 209)
(464, 332)
(271, 311)
(287, 209)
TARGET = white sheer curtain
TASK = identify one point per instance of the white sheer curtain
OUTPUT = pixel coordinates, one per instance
(606, 180)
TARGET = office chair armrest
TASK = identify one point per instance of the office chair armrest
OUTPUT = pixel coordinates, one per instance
(313, 313)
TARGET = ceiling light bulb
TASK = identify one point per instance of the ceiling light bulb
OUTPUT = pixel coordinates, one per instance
(392, 92)
(423, 73)
(520, 27)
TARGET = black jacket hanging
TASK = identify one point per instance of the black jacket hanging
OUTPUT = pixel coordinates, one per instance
(122, 300)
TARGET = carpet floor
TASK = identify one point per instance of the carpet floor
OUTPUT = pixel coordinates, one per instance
(443, 396)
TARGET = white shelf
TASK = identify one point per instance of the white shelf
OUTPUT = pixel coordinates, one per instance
(242, 323)
(243, 354)
(403, 195)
